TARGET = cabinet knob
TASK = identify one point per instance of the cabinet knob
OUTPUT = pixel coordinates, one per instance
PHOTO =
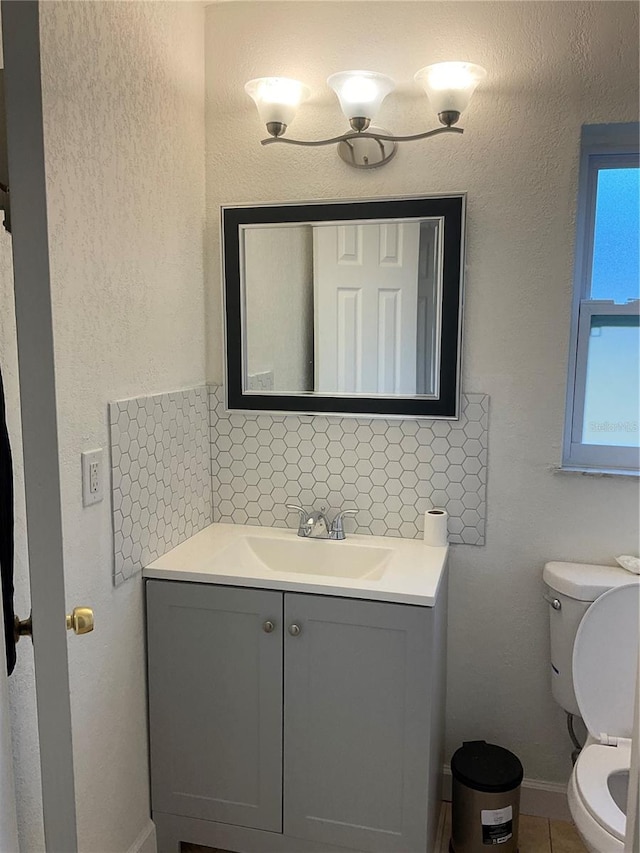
(268, 626)
(294, 630)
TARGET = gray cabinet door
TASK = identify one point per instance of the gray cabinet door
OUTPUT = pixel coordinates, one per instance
(357, 721)
(215, 702)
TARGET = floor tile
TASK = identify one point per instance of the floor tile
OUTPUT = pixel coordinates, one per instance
(565, 838)
(533, 835)
(445, 828)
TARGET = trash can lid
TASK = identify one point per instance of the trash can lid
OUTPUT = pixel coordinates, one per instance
(486, 767)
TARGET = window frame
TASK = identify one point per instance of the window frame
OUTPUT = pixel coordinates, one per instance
(602, 147)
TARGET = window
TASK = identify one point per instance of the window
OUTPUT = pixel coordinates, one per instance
(602, 429)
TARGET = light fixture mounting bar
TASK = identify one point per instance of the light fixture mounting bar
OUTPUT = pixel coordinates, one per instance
(383, 137)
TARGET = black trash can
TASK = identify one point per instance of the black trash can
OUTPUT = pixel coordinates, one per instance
(485, 803)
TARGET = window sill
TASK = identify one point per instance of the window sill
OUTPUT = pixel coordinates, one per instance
(618, 473)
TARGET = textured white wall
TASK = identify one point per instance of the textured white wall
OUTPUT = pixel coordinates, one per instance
(551, 68)
(124, 135)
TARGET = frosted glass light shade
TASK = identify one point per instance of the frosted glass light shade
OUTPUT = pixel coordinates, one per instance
(277, 98)
(450, 85)
(360, 93)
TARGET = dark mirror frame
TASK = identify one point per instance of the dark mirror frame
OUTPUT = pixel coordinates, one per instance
(450, 208)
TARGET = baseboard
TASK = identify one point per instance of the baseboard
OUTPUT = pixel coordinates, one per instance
(146, 841)
(537, 797)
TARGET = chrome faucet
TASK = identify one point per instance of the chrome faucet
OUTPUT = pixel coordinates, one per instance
(337, 527)
(315, 525)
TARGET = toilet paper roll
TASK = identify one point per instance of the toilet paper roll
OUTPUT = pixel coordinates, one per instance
(435, 527)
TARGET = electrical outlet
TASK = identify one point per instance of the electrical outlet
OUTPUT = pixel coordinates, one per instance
(92, 477)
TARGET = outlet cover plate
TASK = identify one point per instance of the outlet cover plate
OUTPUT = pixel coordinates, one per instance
(92, 476)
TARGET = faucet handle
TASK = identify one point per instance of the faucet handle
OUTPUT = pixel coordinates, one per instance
(337, 527)
(303, 523)
(296, 508)
(344, 512)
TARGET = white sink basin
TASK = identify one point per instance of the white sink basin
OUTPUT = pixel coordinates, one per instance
(376, 568)
(312, 557)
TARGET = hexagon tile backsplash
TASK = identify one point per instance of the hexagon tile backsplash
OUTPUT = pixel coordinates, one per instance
(391, 471)
(161, 475)
(179, 462)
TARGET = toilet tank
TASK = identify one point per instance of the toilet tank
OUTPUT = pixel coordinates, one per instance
(570, 589)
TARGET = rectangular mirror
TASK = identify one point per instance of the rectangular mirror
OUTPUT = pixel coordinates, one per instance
(350, 307)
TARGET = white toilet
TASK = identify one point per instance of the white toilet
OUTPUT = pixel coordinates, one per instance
(595, 628)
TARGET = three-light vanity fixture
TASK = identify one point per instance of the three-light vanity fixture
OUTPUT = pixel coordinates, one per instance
(448, 85)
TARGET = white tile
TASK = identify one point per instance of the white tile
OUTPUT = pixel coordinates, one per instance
(160, 457)
(184, 444)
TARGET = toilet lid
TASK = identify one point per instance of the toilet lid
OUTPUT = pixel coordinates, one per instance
(605, 662)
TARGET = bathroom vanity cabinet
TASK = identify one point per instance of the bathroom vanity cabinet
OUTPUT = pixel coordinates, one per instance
(284, 722)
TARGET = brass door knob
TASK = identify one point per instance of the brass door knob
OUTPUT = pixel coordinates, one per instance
(80, 621)
(22, 628)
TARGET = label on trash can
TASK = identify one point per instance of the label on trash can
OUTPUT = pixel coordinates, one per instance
(497, 825)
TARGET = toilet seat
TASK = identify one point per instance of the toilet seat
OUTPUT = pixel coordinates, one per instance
(592, 771)
(605, 665)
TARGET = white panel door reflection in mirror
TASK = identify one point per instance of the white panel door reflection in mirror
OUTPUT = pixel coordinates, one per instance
(368, 290)
(343, 308)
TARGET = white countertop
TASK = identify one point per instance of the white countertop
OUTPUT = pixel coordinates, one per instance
(412, 570)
